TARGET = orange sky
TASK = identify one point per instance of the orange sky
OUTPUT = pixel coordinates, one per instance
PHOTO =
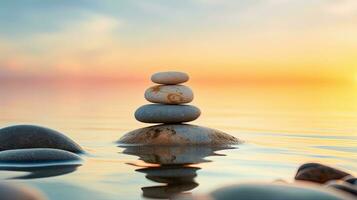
(273, 40)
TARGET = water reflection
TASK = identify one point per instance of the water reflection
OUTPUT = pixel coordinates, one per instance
(41, 171)
(173, 168)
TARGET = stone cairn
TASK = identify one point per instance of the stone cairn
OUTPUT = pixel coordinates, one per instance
(169, 109)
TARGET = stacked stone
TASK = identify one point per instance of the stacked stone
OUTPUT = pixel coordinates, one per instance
(169, 109)
(168, 98)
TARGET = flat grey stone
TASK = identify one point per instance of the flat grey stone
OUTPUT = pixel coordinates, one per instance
(275, 191)
(178, 134)
(36, 155)
(159, 113)
(19, 192)
(169, 94)
(169, 78)
(29, 136)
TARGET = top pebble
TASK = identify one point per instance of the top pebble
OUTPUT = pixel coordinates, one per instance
(169, 78)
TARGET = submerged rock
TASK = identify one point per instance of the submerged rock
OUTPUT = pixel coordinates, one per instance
(178, 134)
(18, 192)
(261, 191)
(29, 136)
(169, 94)
(169, 78)
(319, 173)
(36, 156)
(159, 113)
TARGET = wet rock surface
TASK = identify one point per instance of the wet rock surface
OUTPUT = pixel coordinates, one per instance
(319, 173)
(30, 136)
(178, 134)
(36, 155)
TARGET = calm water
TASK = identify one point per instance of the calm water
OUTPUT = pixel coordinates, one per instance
(282, 127)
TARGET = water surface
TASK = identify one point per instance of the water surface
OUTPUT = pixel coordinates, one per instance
(282, 126)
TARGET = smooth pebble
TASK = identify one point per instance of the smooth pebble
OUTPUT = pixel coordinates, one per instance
(169, 78)
(160, 113)
(169, 94)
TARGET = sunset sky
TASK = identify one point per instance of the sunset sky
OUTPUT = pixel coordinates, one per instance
(209, 39)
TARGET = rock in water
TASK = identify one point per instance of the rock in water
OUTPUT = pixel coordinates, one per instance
(169, 78)
(29, 136)
(318, 173)
(343, 186)
(18, 192)
(159, 113)
(37, 155)
(169, 94)
(261, 191)
(178, 134)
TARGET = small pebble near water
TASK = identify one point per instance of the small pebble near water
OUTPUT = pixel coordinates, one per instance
(169, 94)
(169, 78)
(30, 136)
(37, 155)
(159, 113)
(319, 173)
(19, 192)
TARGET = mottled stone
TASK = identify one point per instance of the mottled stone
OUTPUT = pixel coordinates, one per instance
(343, 186)
(169, 94)
(19, 192)
(318, 173)
(261, 191)
(29, 136)
(178, 134)
(169, 78)
(37, 156)
(158, 113)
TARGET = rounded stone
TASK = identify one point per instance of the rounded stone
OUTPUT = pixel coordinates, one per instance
(169, 78)
(159, 113)
(178, 134)
(276, 191)
(169, 94)
(36, 156)
(29, 136)
(19, 192)
(318, 173)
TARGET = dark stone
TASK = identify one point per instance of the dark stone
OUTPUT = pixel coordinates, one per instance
(261, 191)
(351, 180)
(18, 192)
(318, 173)
(345, 187)
(41, 171)
(36, 156)
(29, 136)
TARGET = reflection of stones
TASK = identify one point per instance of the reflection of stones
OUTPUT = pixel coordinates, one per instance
(173, 169)
(177, 179)
(42, 172)
(175, 155)
(18, 192)
(29, 136)
(178, 134)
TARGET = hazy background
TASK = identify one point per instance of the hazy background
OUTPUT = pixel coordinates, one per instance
(213, 40)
